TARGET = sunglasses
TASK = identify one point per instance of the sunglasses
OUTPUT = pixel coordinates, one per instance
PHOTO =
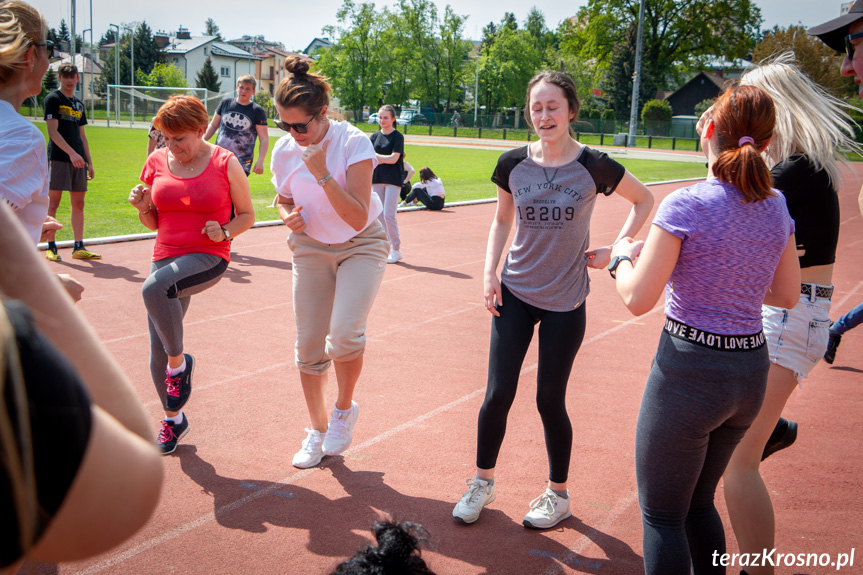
(298, 128)
(849, 47)
(49, 48)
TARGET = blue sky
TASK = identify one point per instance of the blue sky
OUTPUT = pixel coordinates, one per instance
(292, 23)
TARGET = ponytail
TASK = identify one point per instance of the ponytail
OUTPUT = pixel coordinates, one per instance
(744, 117)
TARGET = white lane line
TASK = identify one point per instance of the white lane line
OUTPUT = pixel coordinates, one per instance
(623, 505)
(204, 519)
(294, 477)
(854, 291)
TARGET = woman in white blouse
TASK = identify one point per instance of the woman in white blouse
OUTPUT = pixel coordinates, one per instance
(322, 171)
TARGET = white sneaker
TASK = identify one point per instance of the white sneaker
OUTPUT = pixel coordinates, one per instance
(395, 255)
(311, 453)
(479, 494)
(341, 430)
(547, 510)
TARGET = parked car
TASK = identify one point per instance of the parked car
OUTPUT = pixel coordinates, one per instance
(373, 118)
(411, 117)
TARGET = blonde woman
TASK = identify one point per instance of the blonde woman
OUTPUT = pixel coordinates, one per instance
(24, 57)
(810, 126)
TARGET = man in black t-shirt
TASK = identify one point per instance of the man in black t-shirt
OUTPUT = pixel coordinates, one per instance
(69, 158)
(240, 121)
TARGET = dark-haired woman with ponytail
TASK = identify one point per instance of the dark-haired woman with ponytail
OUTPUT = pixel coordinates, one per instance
(389, 175)
(720, 249)
(322, 171)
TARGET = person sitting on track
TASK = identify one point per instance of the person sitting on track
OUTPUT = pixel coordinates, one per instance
(719, 248)
(189, 187)
(429, 191)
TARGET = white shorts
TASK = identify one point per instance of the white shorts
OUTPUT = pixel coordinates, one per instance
(797, 337)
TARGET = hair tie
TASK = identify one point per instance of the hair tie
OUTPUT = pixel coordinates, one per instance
(745, 140)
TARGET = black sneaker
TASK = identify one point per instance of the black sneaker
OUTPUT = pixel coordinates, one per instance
(171, 434)
(179, 386)
(784, 435)
(832, 346)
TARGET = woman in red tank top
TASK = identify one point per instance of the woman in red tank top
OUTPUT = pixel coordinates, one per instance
(189, 188)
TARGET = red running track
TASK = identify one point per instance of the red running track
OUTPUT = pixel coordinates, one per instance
(232, 503)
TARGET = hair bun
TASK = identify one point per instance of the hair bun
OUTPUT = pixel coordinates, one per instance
(296, 65)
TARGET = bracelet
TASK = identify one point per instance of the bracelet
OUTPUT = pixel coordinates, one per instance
(323, 181)
(150, 207)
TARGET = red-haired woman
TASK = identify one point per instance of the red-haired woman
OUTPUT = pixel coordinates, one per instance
(188, 190)
(720, 249)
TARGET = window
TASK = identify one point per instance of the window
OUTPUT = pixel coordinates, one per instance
(226, 72)
(205, 50)
(176, 60)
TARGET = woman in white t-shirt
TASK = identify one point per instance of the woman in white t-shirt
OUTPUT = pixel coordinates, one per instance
(428, 191)
(322, 171)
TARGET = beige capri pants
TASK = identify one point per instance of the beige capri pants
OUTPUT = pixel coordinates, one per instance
(334, 288)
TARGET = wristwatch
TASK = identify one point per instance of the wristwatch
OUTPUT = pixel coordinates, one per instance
(226, 232)
(323, 181)
(615, 261)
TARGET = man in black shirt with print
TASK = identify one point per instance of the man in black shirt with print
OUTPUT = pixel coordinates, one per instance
(69, 158)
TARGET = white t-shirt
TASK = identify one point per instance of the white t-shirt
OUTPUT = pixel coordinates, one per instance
(292, 179)
(23, 169)
(434, 187)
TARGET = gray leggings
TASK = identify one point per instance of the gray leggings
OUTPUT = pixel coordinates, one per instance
(167, 293)
(697, 405)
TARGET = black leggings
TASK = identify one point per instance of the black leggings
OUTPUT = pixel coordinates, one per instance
(560, 336)
(426, 199)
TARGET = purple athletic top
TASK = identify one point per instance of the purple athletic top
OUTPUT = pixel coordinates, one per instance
(728, 257)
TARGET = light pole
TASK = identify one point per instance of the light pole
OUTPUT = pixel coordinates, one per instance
(116, 69)
(84, 65)
(636, 84)
(91, 59)
(131, 28)
(476, 91)
(72, 33)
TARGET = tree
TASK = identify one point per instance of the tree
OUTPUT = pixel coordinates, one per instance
(677, 33)
(147, 53)
(543, 39)
(437, 68)
(811, 55)
(354, 63)
(264, 99)
(656, 116)
(107, 38)
(207, 77)
(703, 106)
(506, 68)
(166, 75)
(453, 57)
(62, 35)
(618, 80)
(49, 82)
(210, 29)
(397, 60)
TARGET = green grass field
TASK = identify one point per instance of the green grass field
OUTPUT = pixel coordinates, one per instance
(119, 153)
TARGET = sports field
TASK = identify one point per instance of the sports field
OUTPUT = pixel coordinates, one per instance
(119, 153)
